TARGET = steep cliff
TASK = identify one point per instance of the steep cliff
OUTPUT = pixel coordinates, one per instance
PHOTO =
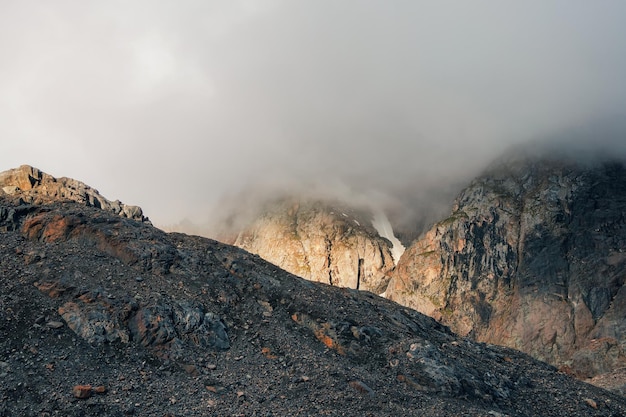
(533, 257)
(321, 241)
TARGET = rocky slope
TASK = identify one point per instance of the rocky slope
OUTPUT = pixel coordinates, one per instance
(532, 257)
(34, 186)
(104, 315)
(321, 241)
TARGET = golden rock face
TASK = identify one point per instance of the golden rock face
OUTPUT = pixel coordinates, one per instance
(321, 243)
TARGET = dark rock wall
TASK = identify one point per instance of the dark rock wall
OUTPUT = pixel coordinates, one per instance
(533, 256)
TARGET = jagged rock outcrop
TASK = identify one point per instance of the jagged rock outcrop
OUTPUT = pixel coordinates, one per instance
(321, 241)
(34, 186)
(104, 315)
(533, 257)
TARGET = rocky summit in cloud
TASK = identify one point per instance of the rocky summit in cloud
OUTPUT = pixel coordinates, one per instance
(530, 255)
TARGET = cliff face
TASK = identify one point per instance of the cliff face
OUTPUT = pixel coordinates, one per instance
(321, 242)
(533, 257)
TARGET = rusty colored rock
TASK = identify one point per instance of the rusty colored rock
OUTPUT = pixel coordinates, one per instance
(82, 391)
(267, 352)
(52, 288)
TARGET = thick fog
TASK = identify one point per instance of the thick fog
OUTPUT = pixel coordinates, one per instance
(175, 106)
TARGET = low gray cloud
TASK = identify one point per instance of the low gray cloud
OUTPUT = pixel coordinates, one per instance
(174, 105)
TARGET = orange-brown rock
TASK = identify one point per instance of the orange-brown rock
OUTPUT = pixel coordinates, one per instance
(82, 391)
(321, 241)
(52, 289)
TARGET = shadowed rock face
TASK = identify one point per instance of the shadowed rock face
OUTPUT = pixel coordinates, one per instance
(168, 324)
(321, 242)
(533, 257)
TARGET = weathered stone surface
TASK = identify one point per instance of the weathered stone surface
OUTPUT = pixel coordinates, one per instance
(161, 324)
(321, 241)
(151, 255)
(96, 322)
(533, 257)
(35, 187)
(99, 320)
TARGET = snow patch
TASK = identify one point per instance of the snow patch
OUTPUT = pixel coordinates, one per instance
(383, 226)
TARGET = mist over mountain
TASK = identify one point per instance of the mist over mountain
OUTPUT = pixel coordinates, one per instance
(208, 99)
(412, 204)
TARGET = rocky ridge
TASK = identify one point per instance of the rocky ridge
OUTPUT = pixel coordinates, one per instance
(35, 186)
(105, 315)
(532, 257)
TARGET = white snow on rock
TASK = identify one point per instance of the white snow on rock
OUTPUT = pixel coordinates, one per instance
(382, 225)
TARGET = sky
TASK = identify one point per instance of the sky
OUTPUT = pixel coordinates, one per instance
(175, 106)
